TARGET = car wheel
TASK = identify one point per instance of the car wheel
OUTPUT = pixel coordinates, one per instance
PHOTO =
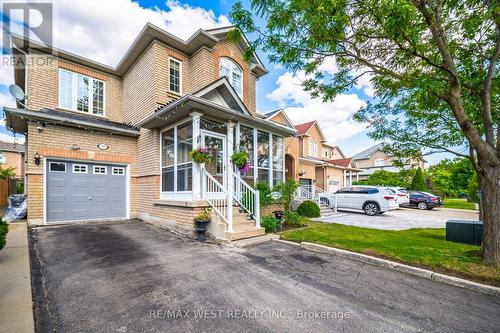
(371, 209)
(422, 206)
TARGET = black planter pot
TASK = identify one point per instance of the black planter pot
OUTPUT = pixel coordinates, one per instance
(278, 214)
(201, 229)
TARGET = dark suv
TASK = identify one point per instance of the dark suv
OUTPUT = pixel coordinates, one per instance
(424, 200)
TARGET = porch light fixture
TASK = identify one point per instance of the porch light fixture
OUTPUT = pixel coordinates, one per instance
(37, 158)
(302, 172)
(75, 147)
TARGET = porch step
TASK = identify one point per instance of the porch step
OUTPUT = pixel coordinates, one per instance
(244, 233)
(325, 211)
(242, 243)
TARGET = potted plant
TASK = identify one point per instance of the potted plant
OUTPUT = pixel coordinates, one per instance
(240, 159)
(202, 220)
(200, 155)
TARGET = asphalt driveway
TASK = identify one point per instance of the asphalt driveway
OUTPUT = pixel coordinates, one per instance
(133, 277)
(401, 218)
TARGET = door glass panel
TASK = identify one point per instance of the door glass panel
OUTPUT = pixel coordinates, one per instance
(167, 160)
(215, 146)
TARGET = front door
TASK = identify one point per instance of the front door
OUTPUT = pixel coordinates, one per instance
(216, 144)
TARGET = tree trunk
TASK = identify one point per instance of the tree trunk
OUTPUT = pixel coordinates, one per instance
(489, 183)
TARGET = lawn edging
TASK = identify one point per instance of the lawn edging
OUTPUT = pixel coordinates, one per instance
(424, 273)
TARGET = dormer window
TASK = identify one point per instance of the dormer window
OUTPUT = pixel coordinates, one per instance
(81, 93)
(234, 74)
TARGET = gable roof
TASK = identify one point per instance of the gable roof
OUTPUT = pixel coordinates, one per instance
(343, 162)
(9, 146)
(282, 112)
(304, 128)
(370, 151)
(148, 34)
(222, 92)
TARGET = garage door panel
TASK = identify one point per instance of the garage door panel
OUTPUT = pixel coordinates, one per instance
(79, 196)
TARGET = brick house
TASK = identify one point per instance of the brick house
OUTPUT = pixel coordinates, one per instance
(375, 158)
(12, 156)
(114, 143)
(309, 159)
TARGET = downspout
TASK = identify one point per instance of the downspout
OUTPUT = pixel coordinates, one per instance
(25, 177)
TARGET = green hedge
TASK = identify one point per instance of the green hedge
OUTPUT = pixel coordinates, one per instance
(4, 229)
(309, 209)
(269, 223)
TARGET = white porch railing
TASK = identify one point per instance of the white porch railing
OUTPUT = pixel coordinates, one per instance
(247, 197)
(315, 194)
(217, 197)
(304, 193)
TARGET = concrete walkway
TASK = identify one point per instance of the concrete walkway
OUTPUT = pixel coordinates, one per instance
(16, 307)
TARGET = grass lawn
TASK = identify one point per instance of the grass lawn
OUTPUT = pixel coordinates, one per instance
(425, 248)
(458, 203)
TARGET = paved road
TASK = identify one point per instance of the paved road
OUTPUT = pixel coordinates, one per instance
(131, 277)
(402, 218)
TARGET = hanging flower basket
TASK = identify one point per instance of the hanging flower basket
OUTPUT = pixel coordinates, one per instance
(245, 168)
(200, 155)
(240, 159)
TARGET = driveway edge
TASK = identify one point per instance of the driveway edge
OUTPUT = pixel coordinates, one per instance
(424, 273)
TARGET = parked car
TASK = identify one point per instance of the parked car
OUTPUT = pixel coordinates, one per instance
(424, 200)
(402, 195)
(372, 200)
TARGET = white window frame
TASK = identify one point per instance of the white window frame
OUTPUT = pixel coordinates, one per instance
(379, 162)
(3, 157)
(80, 165)
(180, 76)
(94, 167)
(231, 71)
(74, 94)
(114, 171)
(313, 148)
(65, 167)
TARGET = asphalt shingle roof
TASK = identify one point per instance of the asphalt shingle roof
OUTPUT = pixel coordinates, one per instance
(303, 128)
(368, 152)
(8, 146)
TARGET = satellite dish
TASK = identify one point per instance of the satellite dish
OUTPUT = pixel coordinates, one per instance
(17, 92)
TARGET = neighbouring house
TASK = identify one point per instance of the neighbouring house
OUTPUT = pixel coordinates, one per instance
(309, 159)
(375, 158)
(114, 142)
(12, 155)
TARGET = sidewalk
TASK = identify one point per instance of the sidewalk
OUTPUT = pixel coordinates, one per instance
(16, 307)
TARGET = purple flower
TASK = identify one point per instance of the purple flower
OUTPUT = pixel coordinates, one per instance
(245, 168)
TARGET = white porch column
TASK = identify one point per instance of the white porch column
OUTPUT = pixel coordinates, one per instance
(345, 178)
(196, 186)
(229, 173)
(357, 176)
(350, 178)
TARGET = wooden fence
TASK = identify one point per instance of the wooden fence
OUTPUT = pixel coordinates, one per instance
(7, 187)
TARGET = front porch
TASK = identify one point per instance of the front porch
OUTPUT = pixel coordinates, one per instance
(218, 184)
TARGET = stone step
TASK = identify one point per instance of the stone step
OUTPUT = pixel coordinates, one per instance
(244, 233)
(242, 243)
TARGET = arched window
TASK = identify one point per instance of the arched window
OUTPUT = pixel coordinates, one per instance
(233, 72)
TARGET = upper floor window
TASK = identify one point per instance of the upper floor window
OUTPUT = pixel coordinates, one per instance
(175, 76)
(81, 93)
(313, 148)
(325, 153)
(3, 158)
(379, 162)
(233, 72)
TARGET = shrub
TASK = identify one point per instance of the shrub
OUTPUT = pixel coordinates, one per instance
(264, 193)
(308, 209)
(20, 188)
(293, 218)
(269, 223)
(4, 229)
(287, 192)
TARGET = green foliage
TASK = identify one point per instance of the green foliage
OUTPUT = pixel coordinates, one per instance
(293, 219)
(200, 155)
(203, 216)
(450, 178)
(287, 192)
(239, 158)
(265, 191)
(6, 173)
(308, 209)
(270, 223)
(387, 178)
(418, 182)
(20, 188)
(4, 229)
(472, 189)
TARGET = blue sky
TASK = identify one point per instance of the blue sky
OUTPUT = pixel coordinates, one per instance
(83, 27)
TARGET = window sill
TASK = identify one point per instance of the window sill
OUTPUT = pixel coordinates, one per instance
(181, 203)
(81, 112)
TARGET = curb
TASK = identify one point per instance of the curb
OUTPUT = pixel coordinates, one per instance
(424, 273)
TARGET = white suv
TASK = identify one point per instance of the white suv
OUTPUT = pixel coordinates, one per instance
(372, 200)
(402, 195)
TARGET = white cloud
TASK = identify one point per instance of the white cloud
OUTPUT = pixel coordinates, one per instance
(6, 99)
(363, 83)
(9, 138)
(335, 118)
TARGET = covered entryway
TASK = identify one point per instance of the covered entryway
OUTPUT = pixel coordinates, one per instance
(85, 191)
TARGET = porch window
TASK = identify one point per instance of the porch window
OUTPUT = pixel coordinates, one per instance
(81, 93)
(176, 165)
(263, 156)
(234, 74)
(246, 144)
(277, 160)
